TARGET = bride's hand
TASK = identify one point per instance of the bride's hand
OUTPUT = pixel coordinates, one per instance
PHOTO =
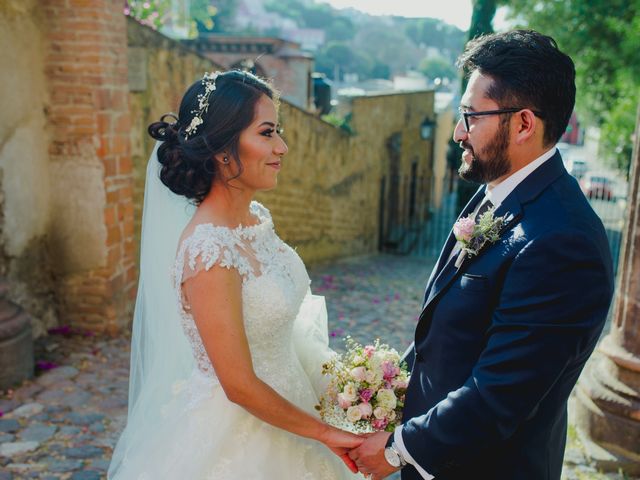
(340, 443)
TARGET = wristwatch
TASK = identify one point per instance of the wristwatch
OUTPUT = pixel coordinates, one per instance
(393, 456)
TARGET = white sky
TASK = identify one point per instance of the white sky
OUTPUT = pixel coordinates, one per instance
(455, 12)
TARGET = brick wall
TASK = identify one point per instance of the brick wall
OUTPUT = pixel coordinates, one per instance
(88, 113)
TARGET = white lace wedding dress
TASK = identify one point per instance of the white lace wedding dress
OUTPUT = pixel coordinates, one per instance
(202, 435)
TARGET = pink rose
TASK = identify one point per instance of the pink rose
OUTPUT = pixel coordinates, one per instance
(343, 401)
(359, 373)
(365, 395)
(380, 423)
(400, 384)
(389, 370)
(365, 410)
(369, 350)
(463, 229)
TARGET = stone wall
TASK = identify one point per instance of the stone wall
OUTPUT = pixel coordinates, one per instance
(92, 232)
(160, 70)
(84, 83)
(67, 219)
(328, 198)
(25, 257)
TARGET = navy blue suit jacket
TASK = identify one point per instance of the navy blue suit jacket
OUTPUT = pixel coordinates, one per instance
(502, 340)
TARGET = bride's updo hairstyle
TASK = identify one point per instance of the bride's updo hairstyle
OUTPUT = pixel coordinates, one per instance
(225, 103)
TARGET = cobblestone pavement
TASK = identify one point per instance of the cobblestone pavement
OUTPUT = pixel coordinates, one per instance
(64, 423)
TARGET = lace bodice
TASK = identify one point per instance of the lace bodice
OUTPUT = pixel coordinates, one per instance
(274, 284)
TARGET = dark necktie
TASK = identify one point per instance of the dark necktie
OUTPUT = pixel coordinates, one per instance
(483, 208)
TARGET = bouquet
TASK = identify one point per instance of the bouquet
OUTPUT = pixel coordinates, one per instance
(367, 389)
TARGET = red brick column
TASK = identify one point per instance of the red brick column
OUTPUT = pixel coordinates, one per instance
(88, 113)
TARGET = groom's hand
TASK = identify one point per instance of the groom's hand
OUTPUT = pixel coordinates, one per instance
(369, 457)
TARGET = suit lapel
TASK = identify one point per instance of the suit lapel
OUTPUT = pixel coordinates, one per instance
(451, 241)
(511, 209)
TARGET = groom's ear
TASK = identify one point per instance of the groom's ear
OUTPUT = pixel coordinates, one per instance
(527, 126)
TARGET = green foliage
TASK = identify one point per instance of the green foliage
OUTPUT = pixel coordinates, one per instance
(438, 67)
(389, 46)
(430, 32)
(481, 23)
(602, 37)
(343, 58)
(201, 15)
(215, 16)
(340, 122)
(153, 13)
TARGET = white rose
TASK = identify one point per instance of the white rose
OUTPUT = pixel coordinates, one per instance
(359, 373)
(379, 413)
(365, 410)
(392, 415)
(343, 401)
(386, 399)
(376, 360)
(350, 392)
(354, 414)
(373, 377)
(358, 360)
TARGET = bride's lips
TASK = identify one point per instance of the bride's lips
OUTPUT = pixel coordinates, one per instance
(276, 165)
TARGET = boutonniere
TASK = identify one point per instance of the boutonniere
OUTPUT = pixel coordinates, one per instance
(472, 235)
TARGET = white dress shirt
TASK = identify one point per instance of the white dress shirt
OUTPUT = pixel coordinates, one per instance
(497, 194)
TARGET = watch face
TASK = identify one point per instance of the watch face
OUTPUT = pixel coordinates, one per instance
(392, 457)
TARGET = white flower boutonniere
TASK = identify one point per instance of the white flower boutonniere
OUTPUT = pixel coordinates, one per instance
(472, 235)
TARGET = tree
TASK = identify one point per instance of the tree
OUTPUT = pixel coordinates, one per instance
(201, 16)
(214, 16)
(438, 67)
(481, 23)
(482, 17)
(602, 37)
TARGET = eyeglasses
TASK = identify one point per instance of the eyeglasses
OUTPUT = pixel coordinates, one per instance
(465, 115)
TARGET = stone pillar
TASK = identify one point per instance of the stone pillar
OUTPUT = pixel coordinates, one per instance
(608, 394)
(16, 344)
(91, 169)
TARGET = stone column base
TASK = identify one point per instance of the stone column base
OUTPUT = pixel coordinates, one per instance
(607, 409)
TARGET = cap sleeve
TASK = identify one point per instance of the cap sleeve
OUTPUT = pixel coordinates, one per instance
(209, 246)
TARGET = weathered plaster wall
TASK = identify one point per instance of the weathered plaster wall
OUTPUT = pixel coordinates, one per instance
(24, 164)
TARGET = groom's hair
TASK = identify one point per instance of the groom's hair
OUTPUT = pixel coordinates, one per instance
(528, 71)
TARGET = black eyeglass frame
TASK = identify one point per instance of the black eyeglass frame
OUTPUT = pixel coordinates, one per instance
(466, 115)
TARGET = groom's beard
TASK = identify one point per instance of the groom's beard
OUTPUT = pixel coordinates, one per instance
(489, 163)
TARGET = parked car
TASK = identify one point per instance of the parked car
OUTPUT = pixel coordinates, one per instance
(598, 186)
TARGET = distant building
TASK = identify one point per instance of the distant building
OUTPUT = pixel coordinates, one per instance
(281, 60)
(412, 81)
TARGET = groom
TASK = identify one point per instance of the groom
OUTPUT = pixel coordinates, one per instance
(508, 324)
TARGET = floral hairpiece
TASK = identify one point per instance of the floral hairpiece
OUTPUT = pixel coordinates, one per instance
(209, 83)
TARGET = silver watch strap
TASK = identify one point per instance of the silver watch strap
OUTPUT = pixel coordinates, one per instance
(395, 448)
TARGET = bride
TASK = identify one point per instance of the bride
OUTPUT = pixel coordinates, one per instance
(227, 349)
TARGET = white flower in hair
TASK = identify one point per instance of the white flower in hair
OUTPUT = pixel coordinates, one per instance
(209, 83)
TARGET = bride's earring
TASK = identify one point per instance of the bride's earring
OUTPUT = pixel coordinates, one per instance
(225, 160)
